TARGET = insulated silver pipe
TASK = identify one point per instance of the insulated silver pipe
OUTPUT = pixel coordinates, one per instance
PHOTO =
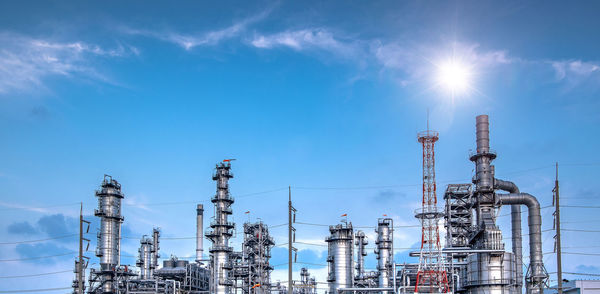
(199, 232)
(517, 238)
(536, 275)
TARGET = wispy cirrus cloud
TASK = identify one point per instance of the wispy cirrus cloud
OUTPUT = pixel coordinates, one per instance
(309, 39)
(571, 70)
(26, 61)
(210, 38)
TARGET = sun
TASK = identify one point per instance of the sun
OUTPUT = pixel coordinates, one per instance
(454, 76)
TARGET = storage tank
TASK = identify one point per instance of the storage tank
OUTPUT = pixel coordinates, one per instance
(490, 273)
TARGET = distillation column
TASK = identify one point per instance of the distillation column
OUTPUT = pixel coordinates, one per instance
(340, 256)
(145, 258)
(221, 231)
(109, 236)
(384, 252)
(361, 243)
(155, 250)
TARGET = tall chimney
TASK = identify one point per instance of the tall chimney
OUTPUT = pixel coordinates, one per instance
(199, 234)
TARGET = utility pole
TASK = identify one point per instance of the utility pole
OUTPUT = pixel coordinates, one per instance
(291, 240)
(557, 237)
(80, 266)
(290, 290)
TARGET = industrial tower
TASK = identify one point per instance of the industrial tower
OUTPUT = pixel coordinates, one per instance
(431, 276)
(221, 231)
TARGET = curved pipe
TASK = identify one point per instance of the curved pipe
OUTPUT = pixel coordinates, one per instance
(536, 275)
(517, 239)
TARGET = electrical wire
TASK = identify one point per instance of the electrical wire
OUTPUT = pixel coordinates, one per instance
(35, 290)
(18, 206)
(38, 257)
(35, 275)
(582, 274)
(39, 240)
(357, 227)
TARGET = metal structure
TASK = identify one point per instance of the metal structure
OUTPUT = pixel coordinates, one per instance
(308, 284)
(431, 277)
(257, 250)
(221, 231)
(475, 249)
(340, 262)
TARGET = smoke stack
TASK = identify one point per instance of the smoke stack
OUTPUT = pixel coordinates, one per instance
(484, 179)
(199, 234)
(483, 133)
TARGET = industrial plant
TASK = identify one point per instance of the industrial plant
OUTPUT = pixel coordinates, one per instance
(472, 260)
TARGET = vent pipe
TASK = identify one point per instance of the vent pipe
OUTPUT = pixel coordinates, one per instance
(536, 274)
(517, 238)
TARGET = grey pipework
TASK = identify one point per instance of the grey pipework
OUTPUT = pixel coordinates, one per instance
(517, 238)
(536, 275)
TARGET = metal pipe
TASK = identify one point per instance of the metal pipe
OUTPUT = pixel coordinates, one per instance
(516, 231)
(536, 275)
(199, 232)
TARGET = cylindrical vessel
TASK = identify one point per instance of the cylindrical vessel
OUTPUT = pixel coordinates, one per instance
(145, 258)
(109, 236)
(490, 274)
(340, 257)
(384, 252)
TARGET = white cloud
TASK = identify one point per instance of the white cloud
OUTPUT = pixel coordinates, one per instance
(26, 61)
(574, 69)
(310, 39)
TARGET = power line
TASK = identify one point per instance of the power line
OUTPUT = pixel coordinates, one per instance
(10, 206)
(39, 240)
(35, 275)
(582, 274)
(577, 230)
(38, 257)
(357, 227)
(581, 253)
(35, 290)
(579, 206)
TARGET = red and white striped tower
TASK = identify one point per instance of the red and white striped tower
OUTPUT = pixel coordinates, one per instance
(431, 277)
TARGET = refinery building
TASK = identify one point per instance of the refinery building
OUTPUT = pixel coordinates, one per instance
(470, 258)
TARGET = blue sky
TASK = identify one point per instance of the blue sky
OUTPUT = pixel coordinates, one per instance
(313, 95)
